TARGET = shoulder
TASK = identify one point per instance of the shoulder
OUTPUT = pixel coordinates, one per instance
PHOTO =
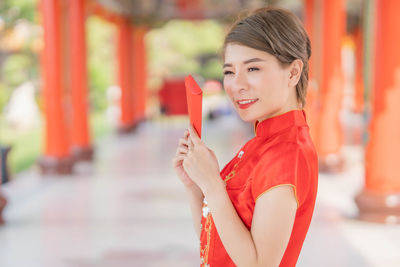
(282, 154)
(284, 163)
(291, 150)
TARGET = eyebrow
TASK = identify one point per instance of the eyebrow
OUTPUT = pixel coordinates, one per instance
(256, 59)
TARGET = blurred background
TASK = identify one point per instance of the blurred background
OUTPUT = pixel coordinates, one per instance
(92, 104)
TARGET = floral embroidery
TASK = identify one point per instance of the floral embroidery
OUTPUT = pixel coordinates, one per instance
(207, 229)
(207, 220)
(231, 174)
(205, 209)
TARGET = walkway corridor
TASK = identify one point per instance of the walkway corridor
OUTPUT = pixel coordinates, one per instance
(128, 209)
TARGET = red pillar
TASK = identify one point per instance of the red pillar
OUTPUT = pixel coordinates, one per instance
(330, 137)
(309, 18)
(125, 69)
(379, 201)
(80, 138)
(139, 72)
(56, 157)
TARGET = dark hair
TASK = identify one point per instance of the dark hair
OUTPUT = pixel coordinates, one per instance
(278, 32)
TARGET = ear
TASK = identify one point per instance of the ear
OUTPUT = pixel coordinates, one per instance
(295, 69)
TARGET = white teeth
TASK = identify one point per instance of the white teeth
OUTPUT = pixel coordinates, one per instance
(246, 101)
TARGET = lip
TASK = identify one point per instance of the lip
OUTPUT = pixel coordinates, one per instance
(244, 106)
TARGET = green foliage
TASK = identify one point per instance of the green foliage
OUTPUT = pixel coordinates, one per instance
(4, 96)
(101, 60)
(18, 67)
(175, 49)
(13, 10)
(212, 69)
(15, 69)
(25, 146)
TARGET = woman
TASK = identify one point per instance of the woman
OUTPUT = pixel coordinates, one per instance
(257, 210)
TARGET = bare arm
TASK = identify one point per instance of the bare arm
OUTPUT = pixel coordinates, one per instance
(195, 198)
(193, 192)
(272, 225)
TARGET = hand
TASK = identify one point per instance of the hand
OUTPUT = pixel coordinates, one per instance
(200, 163)
(177, 161)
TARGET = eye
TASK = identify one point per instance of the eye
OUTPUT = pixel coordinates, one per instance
(228, 72)
(252, 69)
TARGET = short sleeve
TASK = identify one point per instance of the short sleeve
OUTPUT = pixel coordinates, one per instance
(283, 164)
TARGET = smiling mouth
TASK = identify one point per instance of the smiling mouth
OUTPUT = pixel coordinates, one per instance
(245, 103)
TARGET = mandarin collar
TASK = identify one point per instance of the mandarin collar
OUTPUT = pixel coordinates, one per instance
(271, 126)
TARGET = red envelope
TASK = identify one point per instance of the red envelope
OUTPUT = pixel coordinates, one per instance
(194, 96)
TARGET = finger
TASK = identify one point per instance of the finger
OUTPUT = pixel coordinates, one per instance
(177, 159)
(194, 136)
(183, 142)
(182, 145)
(183, 150)
(186, 133)
(177, 163)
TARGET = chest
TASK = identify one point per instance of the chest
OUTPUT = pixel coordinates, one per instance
(237, 175)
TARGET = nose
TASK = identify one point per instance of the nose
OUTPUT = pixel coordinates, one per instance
(240, 84)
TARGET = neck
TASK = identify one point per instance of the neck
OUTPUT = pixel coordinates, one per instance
(296, 106)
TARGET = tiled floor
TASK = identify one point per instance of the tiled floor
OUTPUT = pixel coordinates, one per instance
(128, 209)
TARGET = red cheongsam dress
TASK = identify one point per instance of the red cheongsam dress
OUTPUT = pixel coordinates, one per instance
(281, 153)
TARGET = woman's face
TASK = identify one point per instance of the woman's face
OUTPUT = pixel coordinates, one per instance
(258, 86)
